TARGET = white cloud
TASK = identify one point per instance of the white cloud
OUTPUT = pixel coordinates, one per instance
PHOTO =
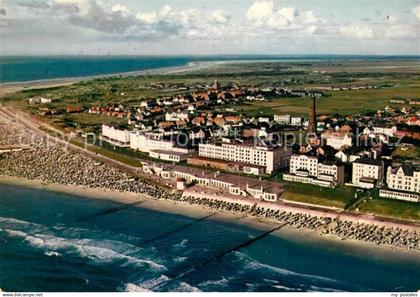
(398, 31)
(311, 30)
(147, 17)
(309, 17)
(167, 11)
(289, 13)
(220, 16)
(264, 15)
(261, 10)
(78, 6)
(264, 25)
(416, 12)
(360, 32)
(119, 7)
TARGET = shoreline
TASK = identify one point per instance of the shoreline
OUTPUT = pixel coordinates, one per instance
(7, 88)
(296, 235)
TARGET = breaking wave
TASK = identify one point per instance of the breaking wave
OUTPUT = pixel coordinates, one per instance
(52, 254)
(146, 286)
(254, 266)
(181, 244)
(223, 282)
(185, 287)
(97, 251)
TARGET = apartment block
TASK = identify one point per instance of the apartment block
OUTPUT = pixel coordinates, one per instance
(308, 170)
(367, 173)
(157, 147)
(403, 183)
(296, 121)
(337, 140)
(282, 119)
(116, 136)
(272, 158)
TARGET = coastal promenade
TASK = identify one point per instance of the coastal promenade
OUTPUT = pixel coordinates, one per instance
(65, 163)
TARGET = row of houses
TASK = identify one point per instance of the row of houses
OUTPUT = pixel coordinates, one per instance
(400, 182)
(233, 184)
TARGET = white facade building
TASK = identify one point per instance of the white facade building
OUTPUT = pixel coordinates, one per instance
(282, 119)
(233, 184)
(308, 169)
(304, 165)
(403, 183)
(296, 121)
(270, 158)
(116, 136)
(367, 173)
(337, 139)
(389, 131)
(39, 99)
(157, 147)
(171, 155)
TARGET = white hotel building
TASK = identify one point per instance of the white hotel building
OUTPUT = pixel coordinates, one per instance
(282, 119)
(272, 158)
(337, 139)
(157, 147)
(403, 183)
(308, 170)
(116, 136)
(154, 145)
(367, 173)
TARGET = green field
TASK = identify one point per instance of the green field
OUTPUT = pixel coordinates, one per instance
(338, 197)
(399, 78)
(341, 102)
(391, 208)
(404, 153)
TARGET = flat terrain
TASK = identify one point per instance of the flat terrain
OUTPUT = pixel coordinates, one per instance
(391, 79)
(338, 197)
(341, 102)
(395, 79)
(391, 208)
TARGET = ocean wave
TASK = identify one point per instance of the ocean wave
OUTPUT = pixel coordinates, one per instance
(284, 288)
(67, 231)
(14, 233)
(146, 286)
(254, 265)
(102, 255)
(223, 282)
(180, 259)
(322, 289)
(185, 287)
(181, 244)
(96, 251)
(6, 221)
(130, 287)
(52, 254)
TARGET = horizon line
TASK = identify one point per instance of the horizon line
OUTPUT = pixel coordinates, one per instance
(210, 55)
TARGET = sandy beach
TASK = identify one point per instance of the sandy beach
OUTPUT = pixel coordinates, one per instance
(303, 236)
(13, 87)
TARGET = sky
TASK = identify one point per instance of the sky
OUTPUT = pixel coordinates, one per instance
(209, 27)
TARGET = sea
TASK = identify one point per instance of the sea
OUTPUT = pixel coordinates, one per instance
(35, 68)
(58, 242)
